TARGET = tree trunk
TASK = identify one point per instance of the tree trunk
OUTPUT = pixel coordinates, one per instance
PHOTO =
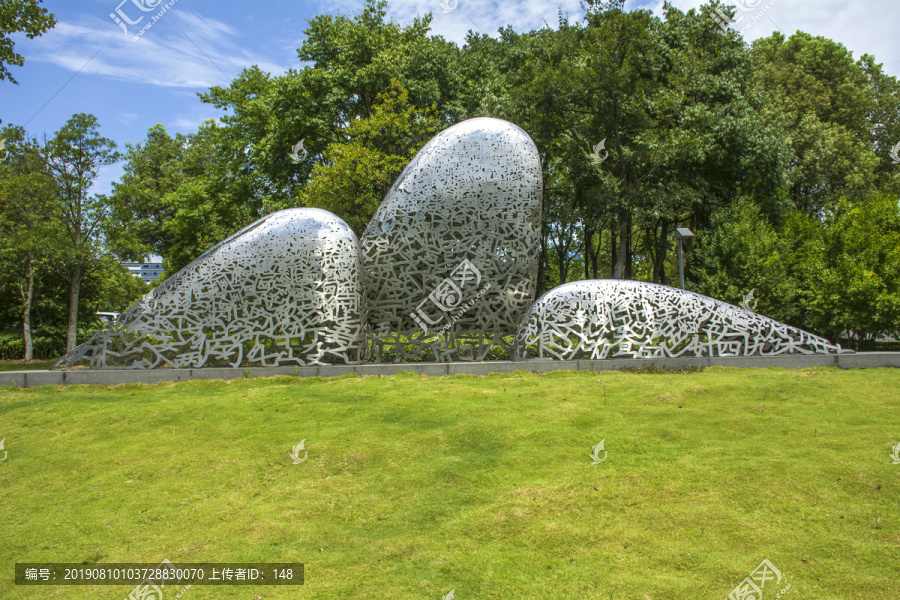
(27, 295)
(74, 291)
(613, 256)
(629, 255)
(659, 270)
(622, 253)
(588, 248)
(595, 254)
(563, 267)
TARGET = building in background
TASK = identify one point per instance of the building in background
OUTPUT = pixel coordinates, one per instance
(149, 271)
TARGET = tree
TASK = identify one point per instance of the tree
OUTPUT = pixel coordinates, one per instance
(353, 62)
(26, 198)
(743, 252)
(837, 115)
(672, 103)
(15, 16)
(356, 175)
(74, 157)
(848, 267)
(112, 288)
(135, 226)
(180, 195)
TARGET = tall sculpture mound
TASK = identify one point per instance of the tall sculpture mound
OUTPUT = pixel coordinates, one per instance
(451, 255)
(286, 290)
(606, 318)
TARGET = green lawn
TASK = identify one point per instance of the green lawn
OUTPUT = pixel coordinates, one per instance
(21, 365)
(415, 486)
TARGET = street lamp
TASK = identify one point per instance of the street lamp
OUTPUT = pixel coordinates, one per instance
(680, 234)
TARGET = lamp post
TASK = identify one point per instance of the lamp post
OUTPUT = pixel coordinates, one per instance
(680, 234)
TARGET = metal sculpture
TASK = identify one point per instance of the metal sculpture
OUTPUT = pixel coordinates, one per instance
(451, 254)
(286, 290)
(605, 318)
(449, 263)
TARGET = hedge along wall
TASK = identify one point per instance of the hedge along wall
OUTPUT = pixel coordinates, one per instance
(48, 343)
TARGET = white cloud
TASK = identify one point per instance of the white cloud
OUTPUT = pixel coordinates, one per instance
(191, 122)
(126, 118)
(181, 50)
(481, 16)
(863, 26)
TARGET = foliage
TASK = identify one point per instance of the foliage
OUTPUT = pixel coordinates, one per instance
(837, 114)
(355, 175)
(849, 269)
(55, 268)
(135, 224)
(26, 16)
(74, 157)
(26, 225)
(743, 252)
(775, 154)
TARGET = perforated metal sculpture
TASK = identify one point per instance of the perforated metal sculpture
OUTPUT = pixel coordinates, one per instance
(286, 290)
(598, 319)
(447, 269)
(451, 255)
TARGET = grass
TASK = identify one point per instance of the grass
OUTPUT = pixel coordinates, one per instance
(415, 486)
(25, 365)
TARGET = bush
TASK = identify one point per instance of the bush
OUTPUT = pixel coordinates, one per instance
(48, 342)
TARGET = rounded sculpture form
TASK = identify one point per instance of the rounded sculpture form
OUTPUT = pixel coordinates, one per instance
(612, 318)
(451, 255)
(286, 290)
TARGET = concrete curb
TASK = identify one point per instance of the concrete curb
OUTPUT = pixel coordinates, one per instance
(862, 360)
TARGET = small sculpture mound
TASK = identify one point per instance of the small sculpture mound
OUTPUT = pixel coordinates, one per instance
(611, 318)
(451, 255)
(286, 290)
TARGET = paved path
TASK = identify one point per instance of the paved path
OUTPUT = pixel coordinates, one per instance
(861, 360)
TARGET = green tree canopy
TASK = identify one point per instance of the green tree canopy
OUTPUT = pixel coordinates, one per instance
(26, 16)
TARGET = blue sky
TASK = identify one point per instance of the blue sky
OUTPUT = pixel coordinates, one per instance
(88, 64)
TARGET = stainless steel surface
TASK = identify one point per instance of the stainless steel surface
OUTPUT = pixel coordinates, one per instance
(609, 318)
(451, 255)
(286, 290)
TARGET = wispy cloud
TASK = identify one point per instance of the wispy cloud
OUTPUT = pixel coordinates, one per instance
(863, 26)
(193, 52)
(480, 16)
(126, 118)
(189, 123)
